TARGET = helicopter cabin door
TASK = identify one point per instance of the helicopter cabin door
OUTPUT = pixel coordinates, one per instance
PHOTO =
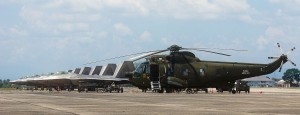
(154, 77)
(154, 72)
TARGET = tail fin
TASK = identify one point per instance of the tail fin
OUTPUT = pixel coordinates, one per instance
(109, 69)
(85, 71)
(96, 70)
(77, 70)
(123, 68)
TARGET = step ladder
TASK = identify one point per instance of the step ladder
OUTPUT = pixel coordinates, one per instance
(155, 85)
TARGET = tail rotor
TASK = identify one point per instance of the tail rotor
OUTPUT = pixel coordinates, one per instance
(284, 56)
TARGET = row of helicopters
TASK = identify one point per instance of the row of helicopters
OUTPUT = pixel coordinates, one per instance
(176, 71)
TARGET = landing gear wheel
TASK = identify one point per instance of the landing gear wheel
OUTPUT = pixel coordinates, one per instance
(189, 91)
(160, 91)
(233, 91)
(248, 91)
(169, 90)
(121, 90)
(144, 90)
(206, 90)
(219, 90)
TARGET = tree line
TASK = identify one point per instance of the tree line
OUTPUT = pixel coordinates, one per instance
(5, 83)
(292, 76)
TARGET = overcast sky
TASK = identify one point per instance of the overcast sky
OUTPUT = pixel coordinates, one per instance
(39, 36)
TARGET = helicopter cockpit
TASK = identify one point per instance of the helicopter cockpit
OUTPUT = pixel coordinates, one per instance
(143, 68)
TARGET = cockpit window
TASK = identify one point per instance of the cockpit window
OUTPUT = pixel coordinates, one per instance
(61, 72)
(143, 68)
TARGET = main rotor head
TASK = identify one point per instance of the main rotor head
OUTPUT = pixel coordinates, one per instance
(174, 48)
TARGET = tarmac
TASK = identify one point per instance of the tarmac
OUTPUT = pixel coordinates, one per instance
(133, 101)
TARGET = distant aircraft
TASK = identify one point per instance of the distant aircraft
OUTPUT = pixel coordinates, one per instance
(97, 77)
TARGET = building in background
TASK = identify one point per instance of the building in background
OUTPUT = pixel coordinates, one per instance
(282, 83)
(260, 81)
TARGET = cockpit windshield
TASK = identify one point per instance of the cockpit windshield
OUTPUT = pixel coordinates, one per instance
(61, 72)
(143, 68)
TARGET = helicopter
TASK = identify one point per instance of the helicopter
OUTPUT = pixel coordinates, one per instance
(181, 69)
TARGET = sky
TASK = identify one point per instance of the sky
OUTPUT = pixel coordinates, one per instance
(40, 36)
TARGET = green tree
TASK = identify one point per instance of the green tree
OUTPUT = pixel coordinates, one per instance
(1, 83)
(297, 78)
(5, 83)
(291, 75)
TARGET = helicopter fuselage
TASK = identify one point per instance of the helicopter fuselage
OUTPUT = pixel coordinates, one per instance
(184, 70)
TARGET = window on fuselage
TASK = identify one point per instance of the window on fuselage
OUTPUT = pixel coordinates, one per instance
(201, 72)
(185, 72)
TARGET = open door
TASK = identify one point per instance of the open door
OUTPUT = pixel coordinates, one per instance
(154, 77)
(154, 72)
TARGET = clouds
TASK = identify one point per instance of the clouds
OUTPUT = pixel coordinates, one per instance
(291, 4)
(69, 27)
(95, 9)
(122, 30)
(60, 16)
(145, 36)
(15, 31)
(272, 34)
(195, 9)
(1, 31)
(43, 20)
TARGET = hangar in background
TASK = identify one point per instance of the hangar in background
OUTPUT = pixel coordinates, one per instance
(260, 81)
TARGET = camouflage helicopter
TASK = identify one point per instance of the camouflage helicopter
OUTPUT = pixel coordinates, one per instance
(181, 69)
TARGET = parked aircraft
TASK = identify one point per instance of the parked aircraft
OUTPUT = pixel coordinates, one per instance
(183, 70)
(86, 77)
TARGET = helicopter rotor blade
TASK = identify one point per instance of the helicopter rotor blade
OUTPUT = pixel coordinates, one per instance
(273, 57)
(291, 50)
(291, 62)
(148, 54)
(217, 49)
(281, 66)
(207, 51)
(278, 45)
(122, 56)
